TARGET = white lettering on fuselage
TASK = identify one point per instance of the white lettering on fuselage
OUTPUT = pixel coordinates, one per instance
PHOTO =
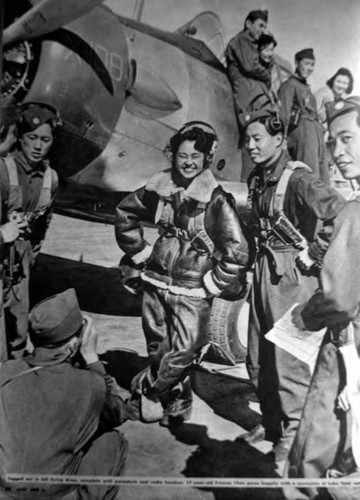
(112, 61)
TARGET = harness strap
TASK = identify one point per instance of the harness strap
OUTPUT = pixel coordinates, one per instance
(277, 201)
(15, 201)
(250, 197)
(195, 233)
(45, 194)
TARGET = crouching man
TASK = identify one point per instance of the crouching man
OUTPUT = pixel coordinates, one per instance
(59, 407)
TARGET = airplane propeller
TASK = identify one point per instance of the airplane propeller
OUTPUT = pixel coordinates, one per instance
(46, 16)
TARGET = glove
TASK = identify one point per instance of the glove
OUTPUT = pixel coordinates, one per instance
(130, 275)
(143, 256)
(133, 408)
(304, 262)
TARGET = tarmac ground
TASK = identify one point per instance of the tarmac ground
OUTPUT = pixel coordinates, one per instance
(84, 255)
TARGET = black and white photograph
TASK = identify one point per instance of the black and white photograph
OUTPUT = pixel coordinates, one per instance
(179, 250)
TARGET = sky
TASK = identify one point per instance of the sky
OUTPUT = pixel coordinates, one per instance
(331, 27)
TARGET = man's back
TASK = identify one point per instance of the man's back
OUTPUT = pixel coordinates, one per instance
(47, 416)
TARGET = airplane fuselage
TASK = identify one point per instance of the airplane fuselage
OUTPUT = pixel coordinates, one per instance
(122, 89)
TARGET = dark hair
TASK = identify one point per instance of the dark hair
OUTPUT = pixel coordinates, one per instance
(266, 39)
(254, 15)
(203, 140)
(342, 72)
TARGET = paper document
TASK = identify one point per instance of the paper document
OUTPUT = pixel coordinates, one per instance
(303, 344)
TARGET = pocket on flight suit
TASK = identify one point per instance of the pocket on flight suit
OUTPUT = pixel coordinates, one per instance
(292, 270)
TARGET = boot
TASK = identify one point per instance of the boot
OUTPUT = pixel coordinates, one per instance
(256, 434)
(178, 404)
(150, 407)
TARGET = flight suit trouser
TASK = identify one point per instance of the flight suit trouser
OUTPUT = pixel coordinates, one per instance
(175, 328)
(16, 304)
(306, 143)
(324, 431)
(280, 379)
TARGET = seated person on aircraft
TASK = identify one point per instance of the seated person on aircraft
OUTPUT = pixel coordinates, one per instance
(244, 67)
(201, 253)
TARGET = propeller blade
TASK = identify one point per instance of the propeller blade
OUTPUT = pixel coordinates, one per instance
(85, 51)
(46, 16)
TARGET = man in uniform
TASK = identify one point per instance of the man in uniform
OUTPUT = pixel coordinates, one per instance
(243, 64)
(59, 408)
(325, 438)
(27, 190)
(305, 134)
(291, 213)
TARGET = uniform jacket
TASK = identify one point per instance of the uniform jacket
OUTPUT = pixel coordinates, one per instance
(322, 97)
(325, 432)
(248, 77)
(50, 415)
(296, 91)
(338, 302)
(307, 201)
(173, 259)
(30, 182)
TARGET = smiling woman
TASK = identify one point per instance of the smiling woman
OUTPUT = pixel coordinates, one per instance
(189, 162)
(181, 277)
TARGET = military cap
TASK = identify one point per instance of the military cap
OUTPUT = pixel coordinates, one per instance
(257, 14)
(305, 54)
(341, 107)
(33, 114)
(252, 116)
(55, 319)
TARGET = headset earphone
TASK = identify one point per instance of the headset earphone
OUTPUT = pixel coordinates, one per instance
(55, 122)
(273, 124)
(197, 124)
(206, 128)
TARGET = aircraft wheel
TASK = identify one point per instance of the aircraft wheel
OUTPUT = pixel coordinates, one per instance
(228, 331)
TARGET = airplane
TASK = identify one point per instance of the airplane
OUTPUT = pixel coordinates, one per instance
(122, 89)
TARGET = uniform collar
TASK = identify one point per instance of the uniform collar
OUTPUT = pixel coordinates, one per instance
(298, 77)
(276, 169)
(248, 35)
(42, 356)
(199, 190)
(38, 170)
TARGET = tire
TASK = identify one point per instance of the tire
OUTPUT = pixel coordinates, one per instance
(227, 332)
